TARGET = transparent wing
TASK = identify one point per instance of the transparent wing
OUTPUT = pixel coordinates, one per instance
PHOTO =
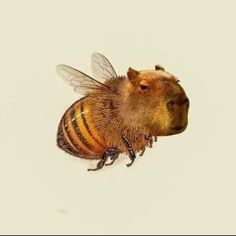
(81, 82)
(101, 67)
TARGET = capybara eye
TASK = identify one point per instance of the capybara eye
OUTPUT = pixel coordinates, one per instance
(170, 104)
(143, 87)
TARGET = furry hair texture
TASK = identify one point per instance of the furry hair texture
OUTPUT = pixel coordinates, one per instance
(145, 103)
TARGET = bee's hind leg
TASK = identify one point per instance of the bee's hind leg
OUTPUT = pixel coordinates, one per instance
(115, 154)
(106, 154)
(101, 163)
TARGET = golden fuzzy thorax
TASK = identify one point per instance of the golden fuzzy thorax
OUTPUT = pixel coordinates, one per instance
(145, 103)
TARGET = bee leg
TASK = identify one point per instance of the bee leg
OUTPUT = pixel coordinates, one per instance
(155, 138)
(101, 163)
(142, 152)
(150, 142)
(132, 155)
(113, 158)
(150, 139)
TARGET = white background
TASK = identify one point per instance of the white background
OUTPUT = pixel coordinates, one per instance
(186, 184)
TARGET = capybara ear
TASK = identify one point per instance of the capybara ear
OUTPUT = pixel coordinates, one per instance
(159, 67)
(132, 74)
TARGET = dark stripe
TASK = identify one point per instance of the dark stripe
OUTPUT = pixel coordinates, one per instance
(62, 142)
(86, 123)
(64, 145)
(77, 129)
(68, 133)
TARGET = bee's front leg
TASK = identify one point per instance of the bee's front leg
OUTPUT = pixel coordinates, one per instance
(150, 139)
(142, 152)
(131, 152)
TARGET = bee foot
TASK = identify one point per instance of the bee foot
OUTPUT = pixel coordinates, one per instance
(130, 164)
(99, 166)
(141, 154)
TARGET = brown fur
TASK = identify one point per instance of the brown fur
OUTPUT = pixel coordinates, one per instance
(137, 113)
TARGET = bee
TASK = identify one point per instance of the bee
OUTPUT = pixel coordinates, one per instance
(119, 114)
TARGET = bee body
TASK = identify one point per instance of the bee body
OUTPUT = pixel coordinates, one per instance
(76, 133)
(120, 114)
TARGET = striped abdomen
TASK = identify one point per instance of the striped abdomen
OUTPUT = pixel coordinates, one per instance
(77, 135)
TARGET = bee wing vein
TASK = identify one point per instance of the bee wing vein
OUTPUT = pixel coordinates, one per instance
(81, 82)
(101, 67)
